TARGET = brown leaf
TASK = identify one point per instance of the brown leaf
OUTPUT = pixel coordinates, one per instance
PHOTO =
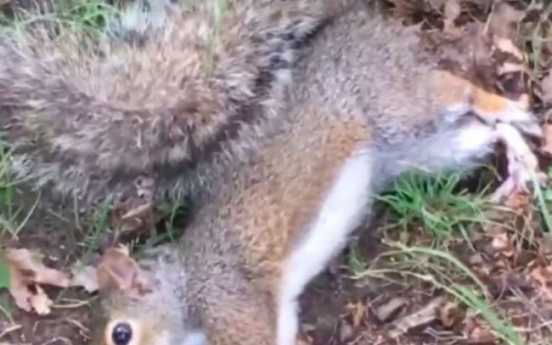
(29, 266)
(543, 277)
(507, 46)
(385, 311)
(449, 314)
(421, 317)
(26, 271)
(501, 241)
(40, 302)
(357, 312)
(481, 335)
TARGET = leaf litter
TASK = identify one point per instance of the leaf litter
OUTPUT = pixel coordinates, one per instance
(27, 272)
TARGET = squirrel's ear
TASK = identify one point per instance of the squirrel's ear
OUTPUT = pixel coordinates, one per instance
(118, 271)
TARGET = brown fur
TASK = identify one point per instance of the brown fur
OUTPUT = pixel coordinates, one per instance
(88, 115)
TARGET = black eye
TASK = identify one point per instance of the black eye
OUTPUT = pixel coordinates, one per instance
(121, 334)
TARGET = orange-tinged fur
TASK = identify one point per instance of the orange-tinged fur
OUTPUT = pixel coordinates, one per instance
(452, 89)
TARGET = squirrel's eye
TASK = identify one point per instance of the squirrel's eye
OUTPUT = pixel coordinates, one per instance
(121, 334)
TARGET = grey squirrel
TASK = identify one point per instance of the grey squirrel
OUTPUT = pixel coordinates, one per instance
(366, 105)
(164, 92)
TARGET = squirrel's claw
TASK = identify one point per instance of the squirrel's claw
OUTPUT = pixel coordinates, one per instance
(522, 162)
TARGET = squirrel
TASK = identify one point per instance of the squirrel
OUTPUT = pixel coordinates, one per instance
(164, 93)
(367, 105)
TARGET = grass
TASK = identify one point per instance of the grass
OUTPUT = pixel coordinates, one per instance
(78, 14)
(442, 214)
(434, 204)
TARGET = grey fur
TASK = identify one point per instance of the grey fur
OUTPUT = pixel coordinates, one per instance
(88, 116)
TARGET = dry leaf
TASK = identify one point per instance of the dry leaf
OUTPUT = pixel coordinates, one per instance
(421, 317)
(385, 311)
(40, 302)
(500, 241)
(357, 311)
(29, 265)
(26, 272)
(481, 335)
(543, 277)
(449, 314)
(6, 328)
(507, 46)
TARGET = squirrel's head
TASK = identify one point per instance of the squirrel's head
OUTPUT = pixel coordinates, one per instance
(141, 304)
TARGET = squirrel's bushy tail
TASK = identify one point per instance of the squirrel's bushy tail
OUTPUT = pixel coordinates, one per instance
(154, 90)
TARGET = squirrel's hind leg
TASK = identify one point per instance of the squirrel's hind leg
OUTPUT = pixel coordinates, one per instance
(236, 311)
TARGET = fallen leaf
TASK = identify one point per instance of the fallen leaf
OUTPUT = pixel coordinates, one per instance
(40, 302)
(385, 311)
(500, 241)
(29, 264)
(481, 335)
(507, 46)
(543, 277)
(6, 327)
(421, 317)
(357, 311)
(26, 271)
(449, 314)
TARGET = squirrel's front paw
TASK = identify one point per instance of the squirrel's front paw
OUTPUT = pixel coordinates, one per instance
(522, 162)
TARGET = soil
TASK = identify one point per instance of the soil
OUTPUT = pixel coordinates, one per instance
(336, 309)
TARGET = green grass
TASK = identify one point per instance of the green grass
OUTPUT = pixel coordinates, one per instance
(434, 204)
(80, 14)
(441, 211)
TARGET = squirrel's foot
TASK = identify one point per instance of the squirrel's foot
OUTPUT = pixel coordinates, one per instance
(522, 162)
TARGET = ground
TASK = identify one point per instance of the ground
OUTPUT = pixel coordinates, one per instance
(437, 264)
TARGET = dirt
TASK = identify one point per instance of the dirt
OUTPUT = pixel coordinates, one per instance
(336, 309)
